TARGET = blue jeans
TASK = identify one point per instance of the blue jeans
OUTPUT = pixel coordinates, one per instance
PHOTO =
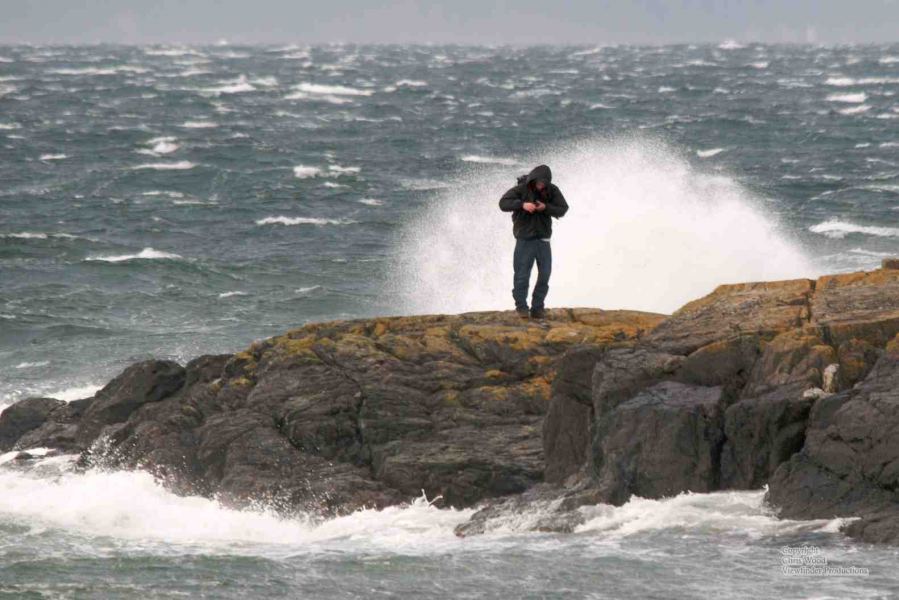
(526, 253)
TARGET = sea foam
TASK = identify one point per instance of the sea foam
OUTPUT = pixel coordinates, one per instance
(133, 507)
(282, 220)
(145, 254)
(853, 98)
(836, 228)
(646, 230)
(175, 166)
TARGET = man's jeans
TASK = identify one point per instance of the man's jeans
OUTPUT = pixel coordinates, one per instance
(526, 252)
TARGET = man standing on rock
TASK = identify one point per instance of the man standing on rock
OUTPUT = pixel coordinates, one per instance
(533, 203)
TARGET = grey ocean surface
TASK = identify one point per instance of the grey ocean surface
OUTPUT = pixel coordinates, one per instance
(177, 201)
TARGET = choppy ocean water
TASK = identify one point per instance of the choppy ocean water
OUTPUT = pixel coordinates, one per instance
(173, 201)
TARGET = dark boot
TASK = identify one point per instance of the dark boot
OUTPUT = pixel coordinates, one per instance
(538, 313)
(523, 312)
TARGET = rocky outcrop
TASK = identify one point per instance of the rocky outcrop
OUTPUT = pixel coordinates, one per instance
(752, 380)
(334, 416)
(663, 441)
(567, 428)
(849, 465)
(793, 384)
(23, 417)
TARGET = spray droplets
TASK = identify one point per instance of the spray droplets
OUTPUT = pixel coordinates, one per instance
(646, 231)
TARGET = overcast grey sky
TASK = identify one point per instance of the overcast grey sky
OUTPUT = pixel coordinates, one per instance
(461, 21)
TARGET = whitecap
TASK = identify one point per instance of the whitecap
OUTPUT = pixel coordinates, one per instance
(331, 90)
(26, 235)
(230, 294)
(849, 81)
(475, 158)
(193, 202)
(532, 93)
(234, 86)
(664, 89)
(411, 83)
(856, 98)
(318, 97)
(306, 290)
(99, 70)
(193, 73)
(730, 45)
(31, 365)
(265, 81)
(175, 166)
(864, 252)
(305, 172)
(146, 253)
(888, 60)
(759, 65)
(343, 170)
(199, 125)
(854, 110)
(588, 52)
(371, 202)
(161, 145)
(170, 51)
(9, 126)
(835, 228)
(709, 153)
(333, 184)
(168, 193)
(282, 220)
(840, 81)
(53, 157)
(231, 54)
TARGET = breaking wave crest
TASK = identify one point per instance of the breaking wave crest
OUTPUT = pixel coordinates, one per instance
(646, 230)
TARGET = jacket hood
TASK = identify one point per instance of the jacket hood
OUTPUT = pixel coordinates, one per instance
(541, 173)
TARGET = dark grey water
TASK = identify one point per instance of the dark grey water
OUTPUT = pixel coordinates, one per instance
(177, 201)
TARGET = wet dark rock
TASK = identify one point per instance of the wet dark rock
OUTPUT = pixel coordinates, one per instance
(761, 433)
(59, 430)
(663, 441)
(568, 425)
(23, 417)
(849, 465)
(148, 381)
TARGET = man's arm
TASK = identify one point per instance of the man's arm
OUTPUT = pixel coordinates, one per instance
(556, 206)
(511, 200)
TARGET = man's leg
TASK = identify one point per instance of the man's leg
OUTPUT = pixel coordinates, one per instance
(522, 263)
(544, 258)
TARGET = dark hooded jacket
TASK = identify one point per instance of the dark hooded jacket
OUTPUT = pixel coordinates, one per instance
(536, 225)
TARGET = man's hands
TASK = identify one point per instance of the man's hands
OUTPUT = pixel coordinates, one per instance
(532, 207)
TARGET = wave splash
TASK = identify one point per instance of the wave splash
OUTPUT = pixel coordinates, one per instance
(131, 505)
(646, 231)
